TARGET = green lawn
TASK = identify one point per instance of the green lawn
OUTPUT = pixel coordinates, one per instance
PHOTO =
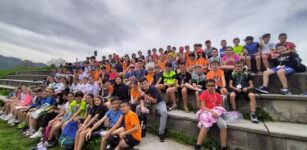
(3, 73)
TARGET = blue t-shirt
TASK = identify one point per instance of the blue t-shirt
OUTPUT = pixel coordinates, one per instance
(222, 51)
(140, 73)
(252, 48)
(114, 116)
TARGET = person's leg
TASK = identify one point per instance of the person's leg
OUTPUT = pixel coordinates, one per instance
(248, 62)
(223, 131)
(202, 135)
(197, 98)
(160, 87)
(103, 143)
(82, 139)
(266, 77)
(252, 102)
(184, 93)
(161, 108)
(122, 145)
(258, 62)
(77, 139)
(282, 77)
(172, 95)
(265, 60)
(233, 100)
(191, 87)
(54, 130)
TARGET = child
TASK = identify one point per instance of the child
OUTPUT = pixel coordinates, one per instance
(130, 133)
(229, 59)
(266, 49)
(209, 101)
(242, 84)
(253, 51)
(198, 81)
(285, 65)
(215, 56)
(223, 48)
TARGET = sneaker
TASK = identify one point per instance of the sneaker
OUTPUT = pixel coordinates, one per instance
(259, 72)
(3, 116)
(186, 109)
(263, 89)
(1, 112)
(174, 106)
(8, 117)
(162, 137)
(16, 121)
(285, 92)
(11, 121)
(37, 134)
(12, 124)
(51, 143)
(30, 133)
(254, 118)
(22, 125)
(197, 147)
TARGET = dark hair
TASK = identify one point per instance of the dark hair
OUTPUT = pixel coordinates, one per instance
(229, 47)
(223, 40)
(214, 49)
(236, 39)
(61, 100)
(142, 79)
(125, 102)
(278, 45)
(215, 62)
(181, 63)
(114, 98)
(266, 35)
(79, 94)
(211, 81)
(90, 95)
(282, 34)
(168, 64)
(134, 81)
(238, 63)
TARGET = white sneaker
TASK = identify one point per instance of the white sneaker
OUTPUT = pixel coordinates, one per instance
(17, 121)
(11, 121)
(8, 117)
(1, 112)
(12, 124)
(3, 116)
(37, 134)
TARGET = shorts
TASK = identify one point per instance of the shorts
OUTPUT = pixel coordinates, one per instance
(218, 89)
(245, 95)
(288, 70)
(131, 141)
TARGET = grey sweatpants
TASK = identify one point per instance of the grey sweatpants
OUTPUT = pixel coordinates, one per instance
(161, 108)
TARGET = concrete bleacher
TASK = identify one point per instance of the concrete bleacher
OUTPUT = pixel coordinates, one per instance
(26, 77)
(288, 131)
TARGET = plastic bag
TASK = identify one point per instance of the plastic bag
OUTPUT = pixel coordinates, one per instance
(232, 117)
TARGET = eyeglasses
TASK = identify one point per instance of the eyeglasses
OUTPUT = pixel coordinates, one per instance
(212, 85)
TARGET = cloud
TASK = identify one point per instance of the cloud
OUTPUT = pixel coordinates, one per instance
(74, 28)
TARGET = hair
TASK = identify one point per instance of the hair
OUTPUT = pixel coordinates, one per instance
(134, 81)
(238, 63)
(278, 45)
(125, 102)
(214, 49)
(90, 95)
(211, 81)
(114, 98)
(79, 94)
(266, 35)
(282, 34)
(236, 39)
(181, 63)
(168, 64)
(223, 40)
(142, 79)
(229, 47)
(61, 100)
(215, 62)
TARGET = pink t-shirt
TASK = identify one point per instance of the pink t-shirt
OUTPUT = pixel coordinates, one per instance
(231, 60)
(27, 101)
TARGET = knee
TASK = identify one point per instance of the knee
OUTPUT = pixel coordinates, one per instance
(281, 72)
(184, 91)
(232, 95)
(248, 58)
(251, 95)
(265, 57)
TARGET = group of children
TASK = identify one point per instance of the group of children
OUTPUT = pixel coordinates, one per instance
(111, 98)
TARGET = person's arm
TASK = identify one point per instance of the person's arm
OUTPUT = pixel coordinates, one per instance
(92, 120)
(251, 85)
(223, 80)
(95, 126)
(149, 98)
(136, 126)
(231, 85)
(158, 82)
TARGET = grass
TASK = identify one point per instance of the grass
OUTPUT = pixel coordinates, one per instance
(3, 73)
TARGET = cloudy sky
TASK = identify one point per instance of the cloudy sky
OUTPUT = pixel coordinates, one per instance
(45, 29)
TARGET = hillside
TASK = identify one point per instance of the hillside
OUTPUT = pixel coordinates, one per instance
(12, 62)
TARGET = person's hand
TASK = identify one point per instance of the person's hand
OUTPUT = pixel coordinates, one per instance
(88, 135)
(142, 94)
(122, 135)
(239, 90)
(181, 86)
(214, 114)
(244, 90)
(143, 110)
(107, 135)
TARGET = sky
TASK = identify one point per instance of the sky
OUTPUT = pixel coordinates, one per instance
(70, 29)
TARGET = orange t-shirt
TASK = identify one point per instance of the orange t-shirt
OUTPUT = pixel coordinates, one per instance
(131, 119)
(191, 63)
(203, 62)
(162, 65)
(187, 56)
(96, 75)
(110, 89)
(108, 67)
(150, 77)
(135, 93)
(218, 76)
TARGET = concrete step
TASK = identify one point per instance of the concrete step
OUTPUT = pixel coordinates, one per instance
(26, 77)
(11, 82)
(3, 98)
(297, 83)
(244, 135)
(7, 87)
(38, 72)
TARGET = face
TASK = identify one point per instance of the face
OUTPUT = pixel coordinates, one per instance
(208, 44)
(229, 51)
(157, 69)
(144, 85)
(124, 107)
(223, 43)
(266, 39)
(198, 70)
(248, 41)
(187, 48)
(70, 97)
(168, 69)
(150, 69)
(97, 102)
(239, 67)
(214, 66)
(88, 99)
(281, 49)
(182, 68)
(214, 53)
(118, 80)
(115, 105)
(211, 87)
(283, 38)
(78, 98)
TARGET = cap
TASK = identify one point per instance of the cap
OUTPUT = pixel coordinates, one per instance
(131, 65)
(199, 51)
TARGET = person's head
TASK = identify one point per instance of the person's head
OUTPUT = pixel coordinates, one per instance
(131, 67)
(134, 83)
(281, 49)
(266, 37)
(187, 48)
(236, 41)
(150, 69)
(208, 43)
(192, 56)
(282, 37)
(210, 84)
(133, 55)
(214, 52)
(154, 50)
(149, 52)
(229, 50)
(249, 40)
(157, 69)
(173, 49)
(182, 67)
(115, 103)
(223, 43)
(214, 65)
(89, 98)
(168, 48)
(161, 51)
(97, 101)
(144, 84)
(140, 53)
(198, 69)
(118, 80)
(70, 97)
(78, 96)
(168, 67)
(239, 66)
(80, 70)
(125, 107)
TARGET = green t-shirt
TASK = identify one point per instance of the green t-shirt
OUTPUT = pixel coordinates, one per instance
(238, 49)
(74, 107)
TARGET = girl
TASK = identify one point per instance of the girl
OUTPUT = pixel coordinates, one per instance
(120, 89)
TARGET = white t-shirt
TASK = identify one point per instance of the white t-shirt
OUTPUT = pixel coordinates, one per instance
(267, 47)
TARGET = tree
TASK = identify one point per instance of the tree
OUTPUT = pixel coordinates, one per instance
(56, 62)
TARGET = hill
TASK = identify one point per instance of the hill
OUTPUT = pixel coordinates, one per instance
(12, 62)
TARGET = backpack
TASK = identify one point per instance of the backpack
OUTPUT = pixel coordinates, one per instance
(68, 135)
(113, 142)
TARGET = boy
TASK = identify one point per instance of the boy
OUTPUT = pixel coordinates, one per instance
(285, 65)
(283, 41)
(223, 48)
(168, 82)
(130, 134)
(266, 49)
(253, 51)
(242, 84)
(209, 99)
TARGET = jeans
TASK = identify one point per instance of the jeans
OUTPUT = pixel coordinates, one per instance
(161, 108)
